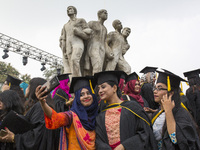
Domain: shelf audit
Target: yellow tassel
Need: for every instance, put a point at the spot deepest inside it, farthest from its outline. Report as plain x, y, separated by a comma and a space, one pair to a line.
9, 84
181, 87
187, 83
91, 87
156, 76
138, 78
168, 84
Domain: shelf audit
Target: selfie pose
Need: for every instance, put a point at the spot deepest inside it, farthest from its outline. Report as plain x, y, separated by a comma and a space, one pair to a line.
78, 124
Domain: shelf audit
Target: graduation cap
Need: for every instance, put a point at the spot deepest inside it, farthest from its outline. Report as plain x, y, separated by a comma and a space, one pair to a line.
192, 74
106, 76
148, 69
132, 76
63, 76
80, 82
169, 79
123, 76
12, 80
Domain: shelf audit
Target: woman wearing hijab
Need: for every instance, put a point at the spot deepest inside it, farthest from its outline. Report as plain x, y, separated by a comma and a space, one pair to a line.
132, 90
148, 80
173, 127
122, 124
78, 124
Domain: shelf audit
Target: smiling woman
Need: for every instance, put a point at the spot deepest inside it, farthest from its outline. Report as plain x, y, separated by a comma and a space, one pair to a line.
78, 123
122, 124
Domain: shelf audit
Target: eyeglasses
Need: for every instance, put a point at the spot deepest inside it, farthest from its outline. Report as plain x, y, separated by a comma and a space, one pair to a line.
158, 89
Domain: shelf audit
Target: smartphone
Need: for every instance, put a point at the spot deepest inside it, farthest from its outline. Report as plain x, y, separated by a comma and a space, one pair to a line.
51, 84
3, 132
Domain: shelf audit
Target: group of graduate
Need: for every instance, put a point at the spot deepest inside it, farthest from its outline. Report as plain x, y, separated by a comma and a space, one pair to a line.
110, 110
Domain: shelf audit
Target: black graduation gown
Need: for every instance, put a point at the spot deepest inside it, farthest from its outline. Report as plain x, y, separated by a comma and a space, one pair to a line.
186, 134
194, 99
124, 97
147, 93
134, 132
39, 138
186, 103
59, 99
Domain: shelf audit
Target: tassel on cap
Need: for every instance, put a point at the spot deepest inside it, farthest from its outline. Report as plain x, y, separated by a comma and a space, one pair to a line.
181, 87
156, 76
9, 84
187, 83
168, 84
91, 87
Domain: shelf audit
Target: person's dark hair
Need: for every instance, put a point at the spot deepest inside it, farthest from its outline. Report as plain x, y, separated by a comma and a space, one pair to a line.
32, 99
176, 97
194, 81
119, 93
19, 91
11, 101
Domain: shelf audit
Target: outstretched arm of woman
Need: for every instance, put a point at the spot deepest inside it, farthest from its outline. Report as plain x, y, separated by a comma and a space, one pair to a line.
40, 94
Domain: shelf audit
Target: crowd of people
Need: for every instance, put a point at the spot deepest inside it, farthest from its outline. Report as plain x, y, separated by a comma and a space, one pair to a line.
110, 110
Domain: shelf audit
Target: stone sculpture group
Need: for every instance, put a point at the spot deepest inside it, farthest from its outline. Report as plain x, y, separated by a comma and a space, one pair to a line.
88, 49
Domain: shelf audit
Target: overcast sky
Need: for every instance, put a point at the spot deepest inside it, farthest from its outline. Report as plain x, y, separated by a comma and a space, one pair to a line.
165, 33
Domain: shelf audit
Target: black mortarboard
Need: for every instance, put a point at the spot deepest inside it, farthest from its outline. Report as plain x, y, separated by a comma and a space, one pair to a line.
192, 74
80, 82
63, 76
12, 80
170, 79
148, 69
132, 76
123, 75
105, 76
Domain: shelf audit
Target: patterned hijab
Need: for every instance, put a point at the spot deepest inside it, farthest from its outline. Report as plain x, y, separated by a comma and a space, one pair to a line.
87, 114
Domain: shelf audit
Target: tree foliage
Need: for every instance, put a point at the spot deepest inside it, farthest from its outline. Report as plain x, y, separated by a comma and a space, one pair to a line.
7, 69
26, 78
50, 72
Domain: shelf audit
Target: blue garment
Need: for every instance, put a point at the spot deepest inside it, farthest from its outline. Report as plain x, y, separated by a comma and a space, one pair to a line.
23, 85
87, 115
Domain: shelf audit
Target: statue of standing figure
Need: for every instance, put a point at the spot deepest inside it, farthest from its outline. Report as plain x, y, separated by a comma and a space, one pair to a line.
116, 43
94, 58
73, 34
122, 63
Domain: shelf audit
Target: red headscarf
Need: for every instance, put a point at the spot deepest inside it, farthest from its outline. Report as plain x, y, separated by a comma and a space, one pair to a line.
130, 90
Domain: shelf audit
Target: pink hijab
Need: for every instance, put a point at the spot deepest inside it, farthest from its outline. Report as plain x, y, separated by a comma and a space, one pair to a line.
130, 90
63, 85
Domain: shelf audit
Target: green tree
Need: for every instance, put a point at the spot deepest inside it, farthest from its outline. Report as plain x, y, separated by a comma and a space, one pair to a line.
7, 69
26, 78
50, 72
